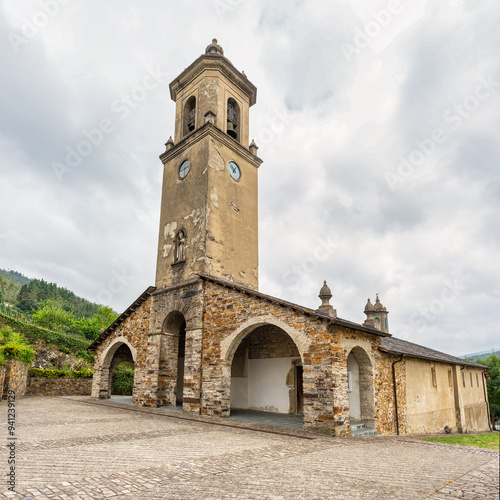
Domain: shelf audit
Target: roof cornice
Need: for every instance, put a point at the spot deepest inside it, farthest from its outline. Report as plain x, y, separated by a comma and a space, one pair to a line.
204, 131
213, 62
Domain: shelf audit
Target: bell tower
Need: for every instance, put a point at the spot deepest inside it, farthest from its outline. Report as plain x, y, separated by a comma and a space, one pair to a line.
209, 205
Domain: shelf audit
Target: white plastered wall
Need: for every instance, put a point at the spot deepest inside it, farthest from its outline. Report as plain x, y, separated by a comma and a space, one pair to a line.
264, 388
354, 395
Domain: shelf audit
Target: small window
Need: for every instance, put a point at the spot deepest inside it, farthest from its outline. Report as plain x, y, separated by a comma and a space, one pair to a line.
450, 379
463, 377
477, 379
349, 381
433, 373
470, 373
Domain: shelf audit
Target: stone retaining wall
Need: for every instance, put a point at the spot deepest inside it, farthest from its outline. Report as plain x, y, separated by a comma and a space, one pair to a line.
16, 374
45, 386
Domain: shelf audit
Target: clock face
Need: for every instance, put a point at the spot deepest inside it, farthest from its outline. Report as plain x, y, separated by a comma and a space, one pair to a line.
184, 169
234, 170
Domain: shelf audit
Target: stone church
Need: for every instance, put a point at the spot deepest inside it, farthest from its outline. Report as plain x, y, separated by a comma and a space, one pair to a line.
204, 337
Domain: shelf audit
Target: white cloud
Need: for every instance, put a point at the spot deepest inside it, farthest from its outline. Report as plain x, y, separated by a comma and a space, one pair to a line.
329, 130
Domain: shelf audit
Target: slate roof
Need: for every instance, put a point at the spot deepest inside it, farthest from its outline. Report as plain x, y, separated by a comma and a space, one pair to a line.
394, 345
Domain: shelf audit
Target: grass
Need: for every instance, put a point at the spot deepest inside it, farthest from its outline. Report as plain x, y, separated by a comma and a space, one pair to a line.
490, 441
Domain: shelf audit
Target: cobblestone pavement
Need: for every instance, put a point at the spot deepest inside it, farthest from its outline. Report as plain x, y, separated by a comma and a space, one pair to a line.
76, 448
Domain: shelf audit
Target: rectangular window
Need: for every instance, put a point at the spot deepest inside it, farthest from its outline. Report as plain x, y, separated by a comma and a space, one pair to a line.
463, 377
434, 381
471, 384
477, 379
349, 381
450, 380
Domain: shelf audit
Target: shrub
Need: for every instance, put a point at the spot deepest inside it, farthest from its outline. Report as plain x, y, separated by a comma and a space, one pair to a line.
53, 373
33, 333
15, 347
122, 381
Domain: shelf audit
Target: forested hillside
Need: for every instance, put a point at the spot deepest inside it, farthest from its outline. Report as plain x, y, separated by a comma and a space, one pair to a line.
51, 306
36, 291
8, 290
14, 276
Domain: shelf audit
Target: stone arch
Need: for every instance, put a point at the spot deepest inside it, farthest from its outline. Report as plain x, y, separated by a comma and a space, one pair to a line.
108, 353
174, 305
171, 359
232, 341
362, 393
262, 361
106, 365
233, 119
189, 117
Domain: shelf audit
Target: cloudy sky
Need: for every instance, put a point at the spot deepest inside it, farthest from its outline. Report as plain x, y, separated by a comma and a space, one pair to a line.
378, 123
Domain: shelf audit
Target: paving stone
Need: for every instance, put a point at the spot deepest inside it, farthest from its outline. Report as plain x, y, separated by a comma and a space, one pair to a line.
152, 455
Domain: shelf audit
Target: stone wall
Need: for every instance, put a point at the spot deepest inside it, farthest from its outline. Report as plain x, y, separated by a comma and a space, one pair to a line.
230, 315
45, 386
384, 390
2, 379
163, 346
16, 375
270, 342
134, 333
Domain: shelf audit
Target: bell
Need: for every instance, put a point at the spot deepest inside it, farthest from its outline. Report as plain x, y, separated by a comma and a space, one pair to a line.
230, 130
191, 126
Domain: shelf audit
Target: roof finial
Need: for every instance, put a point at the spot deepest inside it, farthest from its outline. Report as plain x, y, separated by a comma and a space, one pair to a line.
325, 294
214, 49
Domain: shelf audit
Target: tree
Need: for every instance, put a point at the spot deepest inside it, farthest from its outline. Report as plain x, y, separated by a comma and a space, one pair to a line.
53, 317
91, 327
493, 383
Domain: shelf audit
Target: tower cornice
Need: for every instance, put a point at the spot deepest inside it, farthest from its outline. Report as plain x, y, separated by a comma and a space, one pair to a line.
213, 62
202, 132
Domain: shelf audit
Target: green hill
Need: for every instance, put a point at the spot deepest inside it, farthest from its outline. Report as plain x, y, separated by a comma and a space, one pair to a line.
36, 291
26, 294
14, 276
8, 290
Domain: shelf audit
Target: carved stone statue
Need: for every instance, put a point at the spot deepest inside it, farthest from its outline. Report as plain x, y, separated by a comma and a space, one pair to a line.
181, 242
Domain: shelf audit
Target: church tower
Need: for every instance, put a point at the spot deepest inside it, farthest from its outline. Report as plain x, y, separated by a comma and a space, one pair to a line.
209, 206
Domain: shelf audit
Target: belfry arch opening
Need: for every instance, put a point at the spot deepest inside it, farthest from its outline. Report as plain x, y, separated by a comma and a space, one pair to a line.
171, 365
233, 119
360, 387
266, 372
189, 118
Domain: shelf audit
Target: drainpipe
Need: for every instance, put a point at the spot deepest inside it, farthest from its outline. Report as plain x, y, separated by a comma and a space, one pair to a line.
395, 390
486, 399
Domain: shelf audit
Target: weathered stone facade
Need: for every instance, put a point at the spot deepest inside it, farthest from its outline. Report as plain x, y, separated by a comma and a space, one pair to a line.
207, 339
45, 386
133, 332
221, 323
